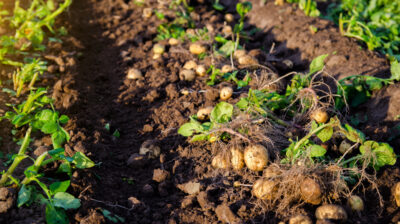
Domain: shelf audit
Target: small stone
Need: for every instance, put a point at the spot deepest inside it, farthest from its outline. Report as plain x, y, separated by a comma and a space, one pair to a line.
150, 148
134, 74
225, 214
160, 175
190, 187
136, 160
148, 189
205, 204
134, 202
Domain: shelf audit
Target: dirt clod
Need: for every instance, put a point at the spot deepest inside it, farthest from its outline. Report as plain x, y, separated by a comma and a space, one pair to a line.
160, 175
225, 214
7, 199
190, 187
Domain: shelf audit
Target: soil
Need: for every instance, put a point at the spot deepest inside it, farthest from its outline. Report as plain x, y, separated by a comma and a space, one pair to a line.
106, 38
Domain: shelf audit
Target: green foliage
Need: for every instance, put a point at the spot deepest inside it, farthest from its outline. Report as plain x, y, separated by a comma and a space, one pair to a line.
112, 217
308, 6
382, 153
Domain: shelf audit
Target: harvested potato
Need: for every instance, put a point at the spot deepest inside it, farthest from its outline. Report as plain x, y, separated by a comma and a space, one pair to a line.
197, 48
173, 41
344, 146
187, 75
330, 211
147, 12
227, 30
300, 219
397, 194
237, 159
190, 65
229, 17
201, 70
311, 191
271, 172
204, 113
219, 162
226, 93
150, 148
134, 74
319, 115
158, 49
256, 157
239, 53
247, 60
156, 56
356, 203
264, 189
226, 69
185, 92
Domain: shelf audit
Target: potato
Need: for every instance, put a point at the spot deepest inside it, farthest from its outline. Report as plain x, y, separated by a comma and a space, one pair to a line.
229, 17
134, 73
264, 189
226, 69
397, 194
150, 148
173, 41
201, 70
226, 93
147, 12
344, 146
271, 172
190, 65
197, 48
356, 203
190, 32
156, 56
227, 30
219, 162
279, 2
256, 157
311, 191
300, 219
158, 49
187, 75
330, 211
239, 53
319, 115
247, 60
204, 113
185, 92
237, 159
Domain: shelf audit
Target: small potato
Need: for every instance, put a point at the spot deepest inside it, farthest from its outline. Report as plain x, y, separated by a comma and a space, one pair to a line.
279, 2
158, 49
190, 65
226, 93
330, 211
134, 74
319, 115
226, 69
185, 92
201, 70
197, 48
344, 146
396, 193
204, 113
173, 41
156, 56
271, 172
300, 219
256, 157
247, 60
239, 53
147, 12
237, 159
219, 162
191, 32
227, 30
356, 203
311, 191
229, 17
264, 189
187, 75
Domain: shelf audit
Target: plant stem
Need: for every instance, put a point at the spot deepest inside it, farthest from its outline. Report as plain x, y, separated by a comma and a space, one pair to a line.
20, 156
305, 138
33, 80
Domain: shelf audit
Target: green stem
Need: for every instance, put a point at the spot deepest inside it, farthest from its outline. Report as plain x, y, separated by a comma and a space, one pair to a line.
351, 160
305, 138
36, 166
20, 156
33, 80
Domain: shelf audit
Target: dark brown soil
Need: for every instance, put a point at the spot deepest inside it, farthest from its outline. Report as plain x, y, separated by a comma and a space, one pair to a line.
109, 37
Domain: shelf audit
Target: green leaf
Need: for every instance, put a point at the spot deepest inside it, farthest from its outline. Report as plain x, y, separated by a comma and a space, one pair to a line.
353, 134
59, 186
116, 133
58, 139
24, 195
395, 70
112, 217
64, 119
383, 153
316, 150
55, 215
243, 103
243, 8
188, 129
317, 64
66, 201
81, 161
228, 48
325, 134
221, 113
199, 137
49, 127
65, 168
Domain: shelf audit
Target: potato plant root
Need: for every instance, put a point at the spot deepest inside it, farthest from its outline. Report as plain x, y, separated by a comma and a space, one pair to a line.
107, 38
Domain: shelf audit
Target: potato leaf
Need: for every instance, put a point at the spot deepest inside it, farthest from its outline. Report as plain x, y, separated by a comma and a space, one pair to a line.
24, 195
383, 153
221, 113
317, 64
353, 134
188, 129
325, 134
395, 70
81, 161
316, 150
55, 215
66, 201
59, 186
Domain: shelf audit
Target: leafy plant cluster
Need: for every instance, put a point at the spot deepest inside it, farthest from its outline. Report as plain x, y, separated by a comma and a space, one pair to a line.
26, 40
308, 6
